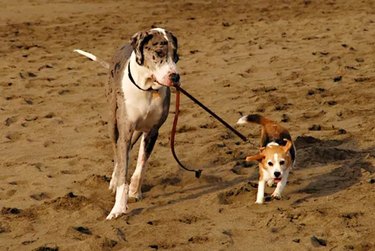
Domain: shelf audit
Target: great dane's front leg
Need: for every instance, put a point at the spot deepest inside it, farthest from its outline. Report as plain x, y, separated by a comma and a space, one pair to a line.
115, 175
121, 172
146, 147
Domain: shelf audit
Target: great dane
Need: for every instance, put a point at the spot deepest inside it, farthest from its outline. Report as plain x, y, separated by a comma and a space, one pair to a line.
140, 74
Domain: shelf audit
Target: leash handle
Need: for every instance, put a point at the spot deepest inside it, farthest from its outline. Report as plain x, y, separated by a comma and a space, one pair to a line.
173, 133
178, 88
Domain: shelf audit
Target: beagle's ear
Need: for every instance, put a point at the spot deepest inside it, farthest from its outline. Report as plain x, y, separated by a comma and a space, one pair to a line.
257, 157
138, 41
288, 145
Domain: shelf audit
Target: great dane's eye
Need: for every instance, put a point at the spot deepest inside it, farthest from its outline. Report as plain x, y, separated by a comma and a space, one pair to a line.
282, 162
160, 53
270, 163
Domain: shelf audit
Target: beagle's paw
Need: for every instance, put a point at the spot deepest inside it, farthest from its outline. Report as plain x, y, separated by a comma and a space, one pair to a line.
271, 183
259, 202
276, 196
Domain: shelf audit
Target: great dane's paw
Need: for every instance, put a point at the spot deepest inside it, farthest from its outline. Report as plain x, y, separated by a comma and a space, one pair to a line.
113, 184
121, 202
116, 212
276, 196
134, 197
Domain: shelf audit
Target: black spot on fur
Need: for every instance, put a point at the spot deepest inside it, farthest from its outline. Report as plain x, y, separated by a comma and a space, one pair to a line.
115, 127
254, 118
141, 46
117, 66
150, 142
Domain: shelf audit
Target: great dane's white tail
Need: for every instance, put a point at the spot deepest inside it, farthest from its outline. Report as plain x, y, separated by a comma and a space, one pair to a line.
93, 58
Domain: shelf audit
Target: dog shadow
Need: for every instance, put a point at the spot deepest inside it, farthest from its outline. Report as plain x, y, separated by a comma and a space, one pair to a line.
194, 193
311, 153
314, 153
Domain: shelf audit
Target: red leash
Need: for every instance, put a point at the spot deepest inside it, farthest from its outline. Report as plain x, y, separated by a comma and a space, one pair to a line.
173, 132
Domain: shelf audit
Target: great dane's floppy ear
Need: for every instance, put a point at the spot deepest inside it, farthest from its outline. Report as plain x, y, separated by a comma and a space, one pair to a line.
138, 41
288, 145
257, 157
175, 54
174, 44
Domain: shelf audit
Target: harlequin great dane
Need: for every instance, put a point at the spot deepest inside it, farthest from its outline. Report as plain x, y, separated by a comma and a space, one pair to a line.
140, 74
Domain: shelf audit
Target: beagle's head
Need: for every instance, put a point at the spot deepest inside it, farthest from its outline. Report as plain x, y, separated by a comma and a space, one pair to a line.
156, 50
274, 160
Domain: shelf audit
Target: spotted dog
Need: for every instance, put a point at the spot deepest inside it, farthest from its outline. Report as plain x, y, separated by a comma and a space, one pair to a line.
276, 157
140, 74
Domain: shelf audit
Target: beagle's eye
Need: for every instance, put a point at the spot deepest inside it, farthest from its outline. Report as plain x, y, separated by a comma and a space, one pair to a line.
270, 163
282, 162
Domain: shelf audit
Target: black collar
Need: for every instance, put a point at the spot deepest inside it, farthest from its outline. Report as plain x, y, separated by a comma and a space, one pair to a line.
132, 79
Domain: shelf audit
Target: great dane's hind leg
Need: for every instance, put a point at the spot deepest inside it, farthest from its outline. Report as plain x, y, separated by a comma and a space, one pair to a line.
122, 188
115, 173
146, 147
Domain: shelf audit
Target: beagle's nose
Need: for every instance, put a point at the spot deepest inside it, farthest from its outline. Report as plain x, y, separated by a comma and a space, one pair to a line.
175, 78
277, 174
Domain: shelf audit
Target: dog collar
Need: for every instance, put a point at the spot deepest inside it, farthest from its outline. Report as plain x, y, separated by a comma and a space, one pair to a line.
132, 80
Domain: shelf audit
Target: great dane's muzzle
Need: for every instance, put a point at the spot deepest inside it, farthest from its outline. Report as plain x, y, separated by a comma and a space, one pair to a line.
175, 78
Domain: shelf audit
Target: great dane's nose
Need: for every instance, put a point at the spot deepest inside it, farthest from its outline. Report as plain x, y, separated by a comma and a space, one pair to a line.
175, 78
277, 174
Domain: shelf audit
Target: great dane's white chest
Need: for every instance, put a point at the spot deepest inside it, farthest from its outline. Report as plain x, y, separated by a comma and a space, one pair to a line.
144, 108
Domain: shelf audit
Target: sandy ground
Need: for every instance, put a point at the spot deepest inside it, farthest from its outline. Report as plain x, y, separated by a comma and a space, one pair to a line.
308, 64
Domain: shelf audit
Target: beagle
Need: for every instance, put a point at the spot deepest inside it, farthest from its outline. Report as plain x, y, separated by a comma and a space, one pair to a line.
276, 156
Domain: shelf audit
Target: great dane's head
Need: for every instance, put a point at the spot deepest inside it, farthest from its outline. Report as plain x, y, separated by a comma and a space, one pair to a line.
156, 50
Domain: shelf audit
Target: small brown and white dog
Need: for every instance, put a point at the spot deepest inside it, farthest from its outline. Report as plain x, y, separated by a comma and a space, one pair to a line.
276, 157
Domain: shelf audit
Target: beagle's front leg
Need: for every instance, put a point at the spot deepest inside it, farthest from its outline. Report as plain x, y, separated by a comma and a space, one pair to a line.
280, 186
260, 195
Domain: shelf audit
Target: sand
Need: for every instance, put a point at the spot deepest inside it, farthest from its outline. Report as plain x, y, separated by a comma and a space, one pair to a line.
307, 64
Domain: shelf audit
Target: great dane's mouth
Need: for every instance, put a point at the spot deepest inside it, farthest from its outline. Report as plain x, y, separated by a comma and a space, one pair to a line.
168, 84
157, 82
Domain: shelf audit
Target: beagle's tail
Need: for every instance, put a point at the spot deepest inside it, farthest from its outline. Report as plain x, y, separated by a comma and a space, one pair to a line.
254, 118
102, 62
